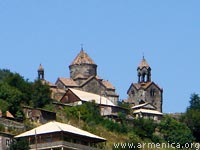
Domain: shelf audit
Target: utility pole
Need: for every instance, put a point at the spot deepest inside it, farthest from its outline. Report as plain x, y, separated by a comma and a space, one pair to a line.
35, 140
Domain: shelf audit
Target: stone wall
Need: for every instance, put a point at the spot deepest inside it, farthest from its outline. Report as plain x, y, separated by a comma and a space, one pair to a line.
11, 124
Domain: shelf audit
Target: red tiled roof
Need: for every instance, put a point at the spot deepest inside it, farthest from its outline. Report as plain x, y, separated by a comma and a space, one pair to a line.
82, 58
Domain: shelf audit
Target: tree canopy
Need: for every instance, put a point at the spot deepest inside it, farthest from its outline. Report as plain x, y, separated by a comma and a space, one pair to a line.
192, 116
16, 92
175, 131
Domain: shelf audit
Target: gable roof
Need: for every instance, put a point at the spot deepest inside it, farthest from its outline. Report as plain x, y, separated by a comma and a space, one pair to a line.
105, 83
89, 79
147, 111
108, 85
82, 58
88, 97
145, 106
79, 76
54, 126
67, 82
143, 85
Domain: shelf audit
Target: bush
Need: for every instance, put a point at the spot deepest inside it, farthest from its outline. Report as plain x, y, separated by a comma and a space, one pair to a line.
89, 112
174, 131
132, 143
19, 144
144, 128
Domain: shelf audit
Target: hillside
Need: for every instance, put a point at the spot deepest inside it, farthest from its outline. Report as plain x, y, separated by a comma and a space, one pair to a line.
16, 92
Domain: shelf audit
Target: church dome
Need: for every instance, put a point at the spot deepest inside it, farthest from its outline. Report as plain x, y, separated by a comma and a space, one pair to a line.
83, 58
82, 66
143, 64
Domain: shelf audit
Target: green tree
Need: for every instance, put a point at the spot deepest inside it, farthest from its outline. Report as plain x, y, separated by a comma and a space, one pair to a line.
192, 119
41, 94
192, 116
194, 102
3, 74
174, 131
20, 144
89, 112
4, 106
17, 81
14, 92
12, 96
144, 128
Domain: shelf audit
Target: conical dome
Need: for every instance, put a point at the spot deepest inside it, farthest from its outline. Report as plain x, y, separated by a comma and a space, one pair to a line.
143, 63
82, 66
82, 58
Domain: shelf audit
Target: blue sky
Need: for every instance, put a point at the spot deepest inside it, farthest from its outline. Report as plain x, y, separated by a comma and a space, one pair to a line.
115, 33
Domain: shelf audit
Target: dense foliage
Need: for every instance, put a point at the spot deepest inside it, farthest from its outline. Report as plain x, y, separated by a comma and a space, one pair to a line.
20, 144
174, 131
89, 113
192, 116
144, 128
169, 130
16, 92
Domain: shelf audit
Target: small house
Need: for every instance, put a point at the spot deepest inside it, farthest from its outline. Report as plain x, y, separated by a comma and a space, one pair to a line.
59, 136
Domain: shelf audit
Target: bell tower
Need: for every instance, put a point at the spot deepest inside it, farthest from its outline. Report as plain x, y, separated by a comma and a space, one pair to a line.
145, 90
144, 71
41, 73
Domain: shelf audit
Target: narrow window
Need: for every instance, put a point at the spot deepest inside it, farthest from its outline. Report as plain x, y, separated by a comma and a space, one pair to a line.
152, 92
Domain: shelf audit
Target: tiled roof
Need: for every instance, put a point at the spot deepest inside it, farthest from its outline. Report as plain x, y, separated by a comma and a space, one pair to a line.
143, 63
143, 85
82, 58
67, 81
99, 78
57, 90
107, 84
79, 76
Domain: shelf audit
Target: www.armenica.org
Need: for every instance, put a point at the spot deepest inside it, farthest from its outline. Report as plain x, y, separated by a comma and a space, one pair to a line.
156, 146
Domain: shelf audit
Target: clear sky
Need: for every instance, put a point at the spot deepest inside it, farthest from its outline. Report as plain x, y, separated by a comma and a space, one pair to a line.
115, 34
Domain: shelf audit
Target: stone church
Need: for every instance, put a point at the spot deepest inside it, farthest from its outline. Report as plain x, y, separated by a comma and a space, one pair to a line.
83, 76
145, 92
